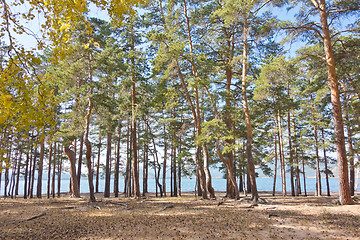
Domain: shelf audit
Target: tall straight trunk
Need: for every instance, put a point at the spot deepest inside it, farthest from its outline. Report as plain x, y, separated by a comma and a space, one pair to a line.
54, 172
25, 175
117, 165
164, 163
351, 153
174, 168
281, 152
18, 175
172, 173
59, 175
179, 169
326, 165
145, 163
276, 157
207, 172
297, 170
40, 170
31, 189
49, 171
135, 168
13, 176
318, 175
88, 143
249, 134
30, 170
98, 165
344, 188
81, 148
196, 111
107, 165
127, 185
291, 162
303, 168
73, 178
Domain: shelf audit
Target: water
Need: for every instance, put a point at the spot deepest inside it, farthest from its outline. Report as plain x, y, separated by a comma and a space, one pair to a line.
187, 184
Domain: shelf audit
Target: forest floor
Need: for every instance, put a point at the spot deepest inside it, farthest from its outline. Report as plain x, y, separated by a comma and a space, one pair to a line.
186, 217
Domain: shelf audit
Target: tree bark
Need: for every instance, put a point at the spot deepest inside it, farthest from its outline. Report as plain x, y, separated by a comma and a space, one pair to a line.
281, 152
276, 156
107, 165
73, 178
249, 134
40, 170
207, 172
164, 163
326, 166
98, 164
117, 165
49, 171
81, 149
135, 169
344, 188
54, 171
88, 157
291, 161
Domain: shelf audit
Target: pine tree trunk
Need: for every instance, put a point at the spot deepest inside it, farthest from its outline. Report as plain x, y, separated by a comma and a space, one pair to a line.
281, 152
291, 161
54, 172
49, 171
164, 163
207, 172
345, 194
297, 170
174, 168
59, 175
73, 178
31, 189
107, 165
303, 168
275, 168
40, 170
98, 165
351, 153
326, 166
318, 175
25, 175
30, 170
249, 134
179, 169
117, 166
18, 175
81, 149
145, 163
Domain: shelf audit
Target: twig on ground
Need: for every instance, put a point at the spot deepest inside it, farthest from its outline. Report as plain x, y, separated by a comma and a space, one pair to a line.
118, 203
28, 219
168, 206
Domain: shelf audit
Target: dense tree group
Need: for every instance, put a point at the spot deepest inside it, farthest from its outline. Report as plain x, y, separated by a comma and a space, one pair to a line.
189, 83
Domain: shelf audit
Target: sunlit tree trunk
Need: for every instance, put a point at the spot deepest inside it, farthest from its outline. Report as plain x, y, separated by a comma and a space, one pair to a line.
73, 178
344, 188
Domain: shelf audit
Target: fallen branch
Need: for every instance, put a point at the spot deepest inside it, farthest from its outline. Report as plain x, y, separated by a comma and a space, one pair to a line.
118, 203
168, 206
28, 219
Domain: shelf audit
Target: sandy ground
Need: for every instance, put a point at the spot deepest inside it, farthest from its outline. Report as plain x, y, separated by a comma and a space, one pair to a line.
184, 217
